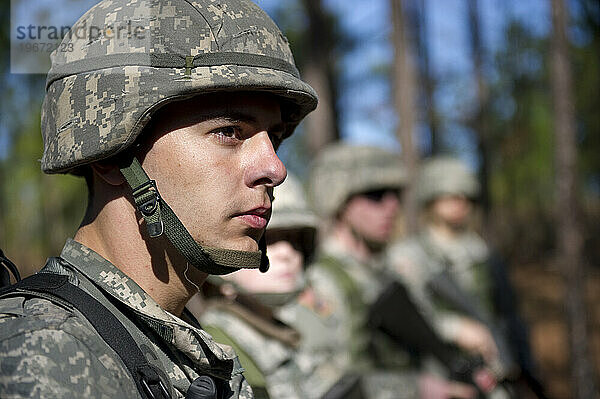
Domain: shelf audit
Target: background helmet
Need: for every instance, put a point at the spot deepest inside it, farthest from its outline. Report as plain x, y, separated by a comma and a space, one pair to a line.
128, 58
290, 208
341, 170
445, 175
291, 213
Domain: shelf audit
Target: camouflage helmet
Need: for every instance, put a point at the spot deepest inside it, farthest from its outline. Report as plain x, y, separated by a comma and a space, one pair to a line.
127, 58
445, 175
290, 208
341, 170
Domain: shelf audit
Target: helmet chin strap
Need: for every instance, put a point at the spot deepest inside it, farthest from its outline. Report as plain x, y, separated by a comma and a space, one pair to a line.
264, 259
160, 219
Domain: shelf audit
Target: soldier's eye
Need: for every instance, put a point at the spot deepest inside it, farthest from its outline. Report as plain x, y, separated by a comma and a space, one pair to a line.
228, 135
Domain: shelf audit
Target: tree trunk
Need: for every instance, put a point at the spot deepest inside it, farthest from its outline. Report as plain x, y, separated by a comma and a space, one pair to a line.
428, 82
321, 125
479, 122
404, 94
569, 234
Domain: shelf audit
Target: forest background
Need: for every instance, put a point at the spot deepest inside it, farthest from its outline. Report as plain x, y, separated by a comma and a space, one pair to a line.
498, 83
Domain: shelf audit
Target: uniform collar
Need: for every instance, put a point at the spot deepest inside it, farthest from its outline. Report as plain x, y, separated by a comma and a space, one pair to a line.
467, 246
193, 342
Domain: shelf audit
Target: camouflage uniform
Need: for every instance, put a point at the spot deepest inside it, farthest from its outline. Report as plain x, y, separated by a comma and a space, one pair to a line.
49, 350
345, 288
419, 259
269, 345
334, 327
415, 260
100, 96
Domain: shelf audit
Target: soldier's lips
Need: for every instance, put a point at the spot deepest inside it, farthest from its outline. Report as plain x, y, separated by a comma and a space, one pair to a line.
256, 218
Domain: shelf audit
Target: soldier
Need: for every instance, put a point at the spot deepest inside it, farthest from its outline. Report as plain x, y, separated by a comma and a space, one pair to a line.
356, 189
446, 265
243, 310
197, 98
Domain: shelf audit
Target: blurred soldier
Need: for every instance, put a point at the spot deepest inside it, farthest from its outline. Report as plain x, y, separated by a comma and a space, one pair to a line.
356, 189
446, 266
240, 309
198, 97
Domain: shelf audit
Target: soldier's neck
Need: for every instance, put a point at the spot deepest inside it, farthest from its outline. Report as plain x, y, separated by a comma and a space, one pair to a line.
352, 242
445, 232
118, 236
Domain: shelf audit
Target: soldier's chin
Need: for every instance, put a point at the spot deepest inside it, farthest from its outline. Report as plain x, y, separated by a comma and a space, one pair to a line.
246, 243
376, 244
458, 224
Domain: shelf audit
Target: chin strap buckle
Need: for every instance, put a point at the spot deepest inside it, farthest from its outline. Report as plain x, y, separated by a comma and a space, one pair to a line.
264, 259
147, 199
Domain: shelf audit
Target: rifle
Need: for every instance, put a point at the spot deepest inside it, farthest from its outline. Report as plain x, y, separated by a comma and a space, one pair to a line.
395, 314
446, 288
347, 387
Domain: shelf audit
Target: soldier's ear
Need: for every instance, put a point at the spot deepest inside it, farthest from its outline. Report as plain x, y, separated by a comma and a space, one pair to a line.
109, 173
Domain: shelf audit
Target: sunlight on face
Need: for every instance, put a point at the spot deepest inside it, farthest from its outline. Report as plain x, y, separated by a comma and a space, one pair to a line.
372, 219
213, 158
452, 209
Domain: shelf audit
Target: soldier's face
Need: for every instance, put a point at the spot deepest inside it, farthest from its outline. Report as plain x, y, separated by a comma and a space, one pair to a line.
453, 210
213, 158
372, 218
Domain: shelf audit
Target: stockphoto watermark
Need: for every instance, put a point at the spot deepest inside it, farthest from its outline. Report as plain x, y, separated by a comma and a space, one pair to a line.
35, 36
91, 33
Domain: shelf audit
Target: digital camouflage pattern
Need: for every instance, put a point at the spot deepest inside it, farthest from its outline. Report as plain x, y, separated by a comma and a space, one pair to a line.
103, 91
341, 170
342, 287
270, 345
48, 349
444, 175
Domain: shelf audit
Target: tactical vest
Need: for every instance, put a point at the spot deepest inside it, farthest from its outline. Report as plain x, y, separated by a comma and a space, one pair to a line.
56, 287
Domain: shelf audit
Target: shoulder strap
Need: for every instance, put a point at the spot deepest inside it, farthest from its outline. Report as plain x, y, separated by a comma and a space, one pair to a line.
106, 324
252, 373
7, 266
337, 271
361, 338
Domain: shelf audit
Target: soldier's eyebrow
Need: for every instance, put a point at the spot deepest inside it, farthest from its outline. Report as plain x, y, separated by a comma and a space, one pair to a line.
241, 117
231, 117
